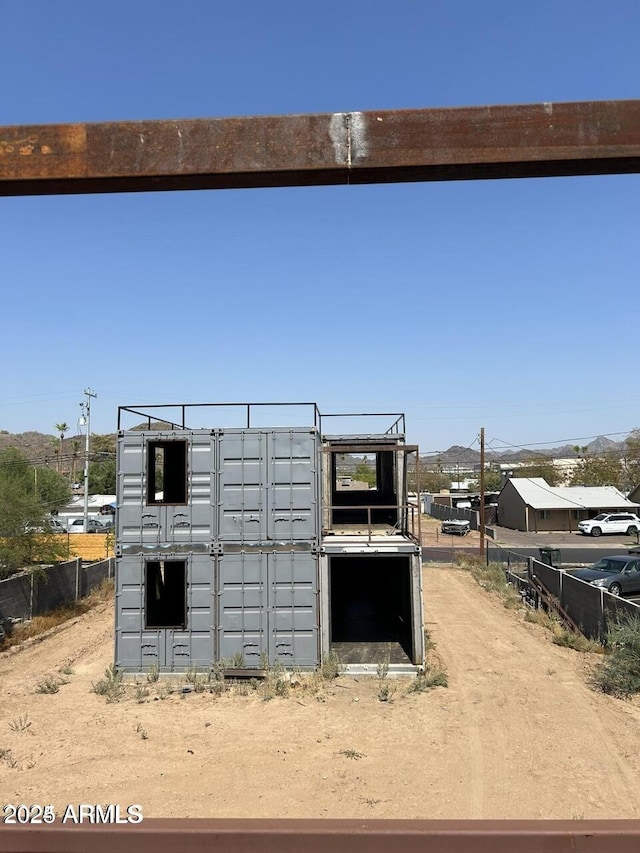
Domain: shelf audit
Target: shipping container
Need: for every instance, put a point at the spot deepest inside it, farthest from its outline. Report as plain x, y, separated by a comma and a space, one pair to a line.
268, 609
243, 547
165, 612
166, 490
269, 485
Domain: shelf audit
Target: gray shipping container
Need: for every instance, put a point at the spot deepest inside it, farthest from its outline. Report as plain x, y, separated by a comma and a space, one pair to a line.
268, 608
268, 485
145, 520
221, 558
181, 610
235, 486
165, 611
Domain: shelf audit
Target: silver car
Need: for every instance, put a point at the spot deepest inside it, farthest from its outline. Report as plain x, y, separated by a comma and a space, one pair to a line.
615, 574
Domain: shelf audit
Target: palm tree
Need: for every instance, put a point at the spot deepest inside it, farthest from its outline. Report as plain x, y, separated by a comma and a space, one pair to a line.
62, 428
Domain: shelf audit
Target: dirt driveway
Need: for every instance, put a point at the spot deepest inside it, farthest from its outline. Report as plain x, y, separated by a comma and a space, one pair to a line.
517, 734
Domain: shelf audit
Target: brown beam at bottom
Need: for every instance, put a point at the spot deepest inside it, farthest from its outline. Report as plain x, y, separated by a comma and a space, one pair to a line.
328, 836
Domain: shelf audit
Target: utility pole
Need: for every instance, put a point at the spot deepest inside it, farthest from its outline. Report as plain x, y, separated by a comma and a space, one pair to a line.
482, 548
86, 420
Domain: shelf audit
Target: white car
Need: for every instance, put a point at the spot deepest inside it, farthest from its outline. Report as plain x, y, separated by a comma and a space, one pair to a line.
610, 522
93, 526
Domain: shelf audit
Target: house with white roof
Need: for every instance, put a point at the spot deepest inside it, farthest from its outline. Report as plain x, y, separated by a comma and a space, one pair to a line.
531, 504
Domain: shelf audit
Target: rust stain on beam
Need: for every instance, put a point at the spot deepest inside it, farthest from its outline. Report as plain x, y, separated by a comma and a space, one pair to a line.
537, 140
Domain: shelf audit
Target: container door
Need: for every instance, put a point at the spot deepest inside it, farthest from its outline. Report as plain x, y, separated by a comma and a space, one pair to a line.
293, 476
195, 521
136, 524
242, 608
293, 609
242, 492
136, 646
193, 646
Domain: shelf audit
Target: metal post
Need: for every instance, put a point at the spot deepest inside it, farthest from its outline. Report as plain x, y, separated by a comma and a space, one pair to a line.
86, 410
482, 492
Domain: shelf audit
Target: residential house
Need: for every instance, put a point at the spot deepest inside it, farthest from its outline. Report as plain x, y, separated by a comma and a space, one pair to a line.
531, 504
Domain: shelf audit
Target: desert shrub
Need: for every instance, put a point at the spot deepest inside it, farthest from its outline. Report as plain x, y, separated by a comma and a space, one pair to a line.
427, 680
154, 673
110, 686
48, 685
619, 673
574, 640
331, 666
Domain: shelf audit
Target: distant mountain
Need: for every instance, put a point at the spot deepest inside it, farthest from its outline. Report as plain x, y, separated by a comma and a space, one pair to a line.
601, 444
460, 455
464, 456
36, 446
40, 447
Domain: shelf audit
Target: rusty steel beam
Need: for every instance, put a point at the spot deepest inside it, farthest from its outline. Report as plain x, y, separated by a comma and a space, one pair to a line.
328, 836
521, 141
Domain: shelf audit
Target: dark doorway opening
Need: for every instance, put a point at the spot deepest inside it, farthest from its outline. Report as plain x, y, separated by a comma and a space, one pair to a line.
165, 586
370, 608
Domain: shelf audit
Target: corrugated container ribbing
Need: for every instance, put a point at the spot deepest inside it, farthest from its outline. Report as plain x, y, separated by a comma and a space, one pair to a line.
268, 608
166, 489
246, 608
268, 485
165, 611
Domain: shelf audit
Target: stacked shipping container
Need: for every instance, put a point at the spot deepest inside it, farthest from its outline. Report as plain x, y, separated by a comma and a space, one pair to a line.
217, 548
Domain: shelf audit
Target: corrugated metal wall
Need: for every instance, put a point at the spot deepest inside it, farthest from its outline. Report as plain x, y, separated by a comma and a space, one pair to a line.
139, 646
142, 524
244, 544
269, 608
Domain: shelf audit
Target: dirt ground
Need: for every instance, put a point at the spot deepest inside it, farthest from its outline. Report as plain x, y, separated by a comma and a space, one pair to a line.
516, 734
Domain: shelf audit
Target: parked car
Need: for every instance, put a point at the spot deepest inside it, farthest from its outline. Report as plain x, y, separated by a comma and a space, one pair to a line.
617, 575
93, 526
610, 522
50, 525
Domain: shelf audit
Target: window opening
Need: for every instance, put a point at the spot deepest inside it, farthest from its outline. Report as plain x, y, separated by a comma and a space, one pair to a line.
167, 472
361, 471
165, 594
363, 487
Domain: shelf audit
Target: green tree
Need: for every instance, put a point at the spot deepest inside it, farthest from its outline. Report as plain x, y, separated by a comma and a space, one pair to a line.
102, 477
539, 466
102, 465
365, 473
631, 460
492, 481
598, 471
75, 449
433, 481
27, 495
103, 446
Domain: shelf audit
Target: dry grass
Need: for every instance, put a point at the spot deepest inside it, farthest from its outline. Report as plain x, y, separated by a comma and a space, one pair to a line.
491, 577
41, 624
562, 636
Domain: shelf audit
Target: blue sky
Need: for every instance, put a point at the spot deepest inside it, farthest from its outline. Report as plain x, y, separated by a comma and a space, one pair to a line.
511, 304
